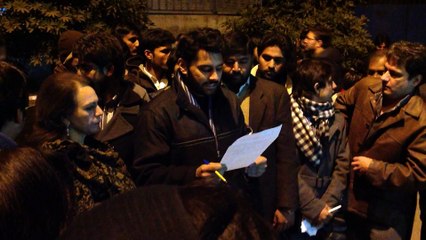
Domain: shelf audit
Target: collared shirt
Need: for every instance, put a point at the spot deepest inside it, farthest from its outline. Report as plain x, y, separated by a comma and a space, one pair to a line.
244, 90
108, 111
379, 110
159, 84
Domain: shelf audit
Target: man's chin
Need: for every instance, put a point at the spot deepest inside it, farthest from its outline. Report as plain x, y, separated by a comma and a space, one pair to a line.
210, 90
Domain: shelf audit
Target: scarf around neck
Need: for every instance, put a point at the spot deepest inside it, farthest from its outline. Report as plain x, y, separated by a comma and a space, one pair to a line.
310, 124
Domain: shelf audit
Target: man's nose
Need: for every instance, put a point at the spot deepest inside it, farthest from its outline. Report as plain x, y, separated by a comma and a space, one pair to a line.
214, 76
385, 77
236, 67
99, 111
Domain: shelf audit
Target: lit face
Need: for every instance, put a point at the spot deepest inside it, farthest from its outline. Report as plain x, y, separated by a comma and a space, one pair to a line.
86, 117
271, 63
396, 82
205, 72
159, 56
324, 94
310, 42
236, 69
132, 41
376, 67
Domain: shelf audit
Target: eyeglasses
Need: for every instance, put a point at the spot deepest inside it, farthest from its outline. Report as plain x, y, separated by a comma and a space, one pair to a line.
373, 72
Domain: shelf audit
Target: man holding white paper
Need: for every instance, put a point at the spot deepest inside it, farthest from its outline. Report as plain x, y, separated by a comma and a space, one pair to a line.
186, 130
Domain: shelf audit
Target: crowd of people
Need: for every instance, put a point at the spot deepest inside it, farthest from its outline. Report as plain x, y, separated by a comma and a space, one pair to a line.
125, 139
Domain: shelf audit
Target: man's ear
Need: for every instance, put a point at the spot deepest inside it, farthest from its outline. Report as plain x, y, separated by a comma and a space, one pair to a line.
319, 42
317, 88
183, 68
109, 70
148, 54
417, 80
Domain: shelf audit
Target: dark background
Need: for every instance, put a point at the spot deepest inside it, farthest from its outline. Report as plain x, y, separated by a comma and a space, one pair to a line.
400, 20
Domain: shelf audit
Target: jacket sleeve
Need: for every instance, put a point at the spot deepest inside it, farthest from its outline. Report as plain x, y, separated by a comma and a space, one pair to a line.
411, 173
345, 102
151, 164
310, 204
286, 158
334, 193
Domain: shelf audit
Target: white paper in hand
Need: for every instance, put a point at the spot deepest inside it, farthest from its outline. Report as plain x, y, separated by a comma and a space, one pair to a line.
246, 149
307, 227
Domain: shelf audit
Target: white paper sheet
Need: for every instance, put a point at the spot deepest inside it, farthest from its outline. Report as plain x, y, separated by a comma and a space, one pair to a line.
246, 149
306, 226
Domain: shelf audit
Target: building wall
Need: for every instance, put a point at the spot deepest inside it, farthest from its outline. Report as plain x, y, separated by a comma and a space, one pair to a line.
183, 23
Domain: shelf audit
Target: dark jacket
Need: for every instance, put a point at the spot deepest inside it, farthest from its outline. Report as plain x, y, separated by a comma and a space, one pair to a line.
326, 183
136, 75
174, 137
270, 107
396, 142
119, 130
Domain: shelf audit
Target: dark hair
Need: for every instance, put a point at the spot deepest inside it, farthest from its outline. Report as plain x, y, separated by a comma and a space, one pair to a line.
310, 72
220, 212
285, 44
321, 33
13, 92
33, 200
356, 72
382, 38
237, 43
197, 211
121, 30
56, 100
102, 49
411, 56
189, 44
154, 38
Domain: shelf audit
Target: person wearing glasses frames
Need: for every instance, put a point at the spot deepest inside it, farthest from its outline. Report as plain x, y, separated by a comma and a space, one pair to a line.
150, 71
387, 140
317, 43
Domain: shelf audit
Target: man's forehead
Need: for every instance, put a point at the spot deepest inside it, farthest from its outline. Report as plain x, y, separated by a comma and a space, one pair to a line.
203, 55
273, 51
238, 56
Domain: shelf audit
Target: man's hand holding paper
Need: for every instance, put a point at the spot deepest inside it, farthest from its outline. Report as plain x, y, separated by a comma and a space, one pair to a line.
246, 151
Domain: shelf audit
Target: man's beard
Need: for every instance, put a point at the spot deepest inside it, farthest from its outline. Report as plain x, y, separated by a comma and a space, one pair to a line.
234, 81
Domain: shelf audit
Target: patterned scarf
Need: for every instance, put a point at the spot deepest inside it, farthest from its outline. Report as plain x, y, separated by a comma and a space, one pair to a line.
310, 124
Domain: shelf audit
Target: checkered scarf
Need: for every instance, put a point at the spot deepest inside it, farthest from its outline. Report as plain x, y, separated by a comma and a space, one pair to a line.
310, 124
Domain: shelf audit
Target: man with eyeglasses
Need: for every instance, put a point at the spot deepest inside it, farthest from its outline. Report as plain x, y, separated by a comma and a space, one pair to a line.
387, 137
151, 70
317, 43
101, 60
